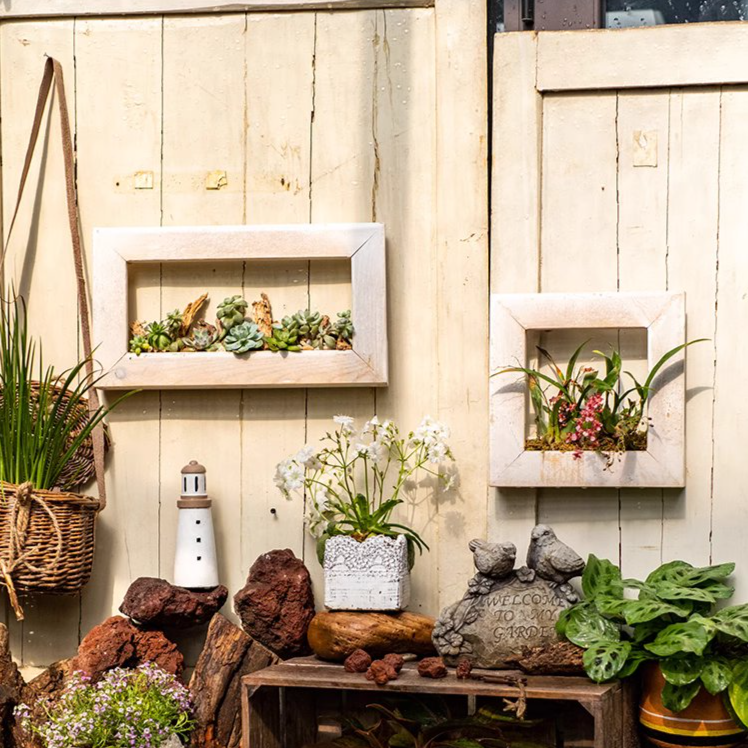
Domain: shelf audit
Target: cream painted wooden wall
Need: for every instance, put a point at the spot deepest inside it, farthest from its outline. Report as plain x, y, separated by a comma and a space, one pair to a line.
573, 210
343, 116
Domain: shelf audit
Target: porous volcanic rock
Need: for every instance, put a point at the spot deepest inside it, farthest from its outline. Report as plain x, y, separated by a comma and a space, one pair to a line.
118, 643
432, 667
154, 603
333, 636
276, 605
357, 662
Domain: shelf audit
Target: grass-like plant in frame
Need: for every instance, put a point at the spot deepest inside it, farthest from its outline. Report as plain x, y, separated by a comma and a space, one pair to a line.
583, 408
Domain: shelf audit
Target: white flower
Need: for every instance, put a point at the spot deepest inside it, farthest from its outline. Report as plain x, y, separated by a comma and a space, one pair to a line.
378, 451
308, 458
345, 423
437, 452
289, 476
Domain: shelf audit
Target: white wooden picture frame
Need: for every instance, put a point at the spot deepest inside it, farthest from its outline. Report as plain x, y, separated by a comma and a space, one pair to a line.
663, 462
363, 244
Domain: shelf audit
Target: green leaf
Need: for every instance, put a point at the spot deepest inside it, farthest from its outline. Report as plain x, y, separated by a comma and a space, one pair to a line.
601, 577
674, 571
738, 691
636, 657
716, 675
586, 627
733, 621
604, 660
677, 698
672, 591
672, 352
648, 630
690, 636
641, 611
611, 606
573, 360
680, 671
716, 573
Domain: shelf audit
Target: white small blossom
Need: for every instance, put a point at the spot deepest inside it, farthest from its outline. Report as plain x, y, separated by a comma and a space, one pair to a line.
308, 458
345, 423
437, 452
289, 476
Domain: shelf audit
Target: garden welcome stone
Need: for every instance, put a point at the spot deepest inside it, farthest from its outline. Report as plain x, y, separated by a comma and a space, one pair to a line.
505, 610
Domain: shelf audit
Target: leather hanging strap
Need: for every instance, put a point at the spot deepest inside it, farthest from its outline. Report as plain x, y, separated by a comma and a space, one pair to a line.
53, 73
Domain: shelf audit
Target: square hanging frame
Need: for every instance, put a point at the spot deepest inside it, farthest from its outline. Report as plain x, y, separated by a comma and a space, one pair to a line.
663, 317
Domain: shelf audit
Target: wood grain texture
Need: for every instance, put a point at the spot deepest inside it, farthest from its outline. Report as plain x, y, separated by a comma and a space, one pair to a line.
42, 9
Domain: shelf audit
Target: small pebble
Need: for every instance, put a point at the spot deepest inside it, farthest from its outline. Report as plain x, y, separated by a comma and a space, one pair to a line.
464, 668
432, 667
358, 661
395, 660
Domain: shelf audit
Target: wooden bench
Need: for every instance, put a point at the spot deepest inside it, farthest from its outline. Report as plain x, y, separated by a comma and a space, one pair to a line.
281, 704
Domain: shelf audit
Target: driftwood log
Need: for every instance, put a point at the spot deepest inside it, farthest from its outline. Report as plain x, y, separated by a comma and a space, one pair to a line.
228, 655
560, 658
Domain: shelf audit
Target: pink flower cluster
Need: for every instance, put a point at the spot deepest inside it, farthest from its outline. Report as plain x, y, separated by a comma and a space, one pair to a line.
588, 424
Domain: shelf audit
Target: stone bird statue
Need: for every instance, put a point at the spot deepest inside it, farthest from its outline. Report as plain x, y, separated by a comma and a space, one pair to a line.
493, 560
551, 559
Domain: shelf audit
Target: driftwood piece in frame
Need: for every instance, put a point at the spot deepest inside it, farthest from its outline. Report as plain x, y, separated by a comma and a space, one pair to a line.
361, 243
662, 465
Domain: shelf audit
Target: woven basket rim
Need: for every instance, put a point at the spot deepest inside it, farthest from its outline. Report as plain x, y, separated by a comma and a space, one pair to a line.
54, 496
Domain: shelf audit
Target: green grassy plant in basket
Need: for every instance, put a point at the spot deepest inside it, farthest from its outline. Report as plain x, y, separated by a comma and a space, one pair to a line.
44, 416
584, 408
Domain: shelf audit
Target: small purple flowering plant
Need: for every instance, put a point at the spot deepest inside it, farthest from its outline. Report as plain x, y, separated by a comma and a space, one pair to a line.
128, 708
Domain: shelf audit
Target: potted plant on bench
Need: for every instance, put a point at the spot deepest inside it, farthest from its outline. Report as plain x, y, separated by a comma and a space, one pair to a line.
694, 659
354, 484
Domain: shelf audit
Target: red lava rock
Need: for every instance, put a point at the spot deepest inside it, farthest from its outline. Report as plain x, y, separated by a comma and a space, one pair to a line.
276, 605
157, 604
358, 661
464, 668
117, 643
432, 667
395, 660
380, 672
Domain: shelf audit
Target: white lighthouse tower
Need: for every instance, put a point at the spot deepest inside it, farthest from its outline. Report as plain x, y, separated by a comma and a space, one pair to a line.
195, 564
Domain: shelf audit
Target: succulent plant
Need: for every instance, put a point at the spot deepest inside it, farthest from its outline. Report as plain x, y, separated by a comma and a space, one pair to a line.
283, 339
203, 337
158, 336
343, 326
244, 337
231, 311
139, 344
326, 339
173, 323
308, 324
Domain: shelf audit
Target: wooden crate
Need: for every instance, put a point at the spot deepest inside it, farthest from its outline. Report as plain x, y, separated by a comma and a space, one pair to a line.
280, 703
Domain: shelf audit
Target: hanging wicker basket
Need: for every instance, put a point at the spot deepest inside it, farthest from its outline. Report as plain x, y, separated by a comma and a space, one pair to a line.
47, 538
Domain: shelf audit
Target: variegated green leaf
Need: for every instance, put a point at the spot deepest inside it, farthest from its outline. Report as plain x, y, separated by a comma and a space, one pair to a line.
601, 577
690, 636
604, 660
714, 573
611, 606
738, 691
585, 627
636, 657
674, 571
672, 591
716, 675
641, 611
733, 621
677, 698
647, 631
680, 671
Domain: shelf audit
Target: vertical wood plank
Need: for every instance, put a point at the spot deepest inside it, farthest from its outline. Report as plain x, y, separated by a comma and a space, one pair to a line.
579, 253
515, 222
462, 260
729, 488
39, 263
127, 532
343, 184
405, 141
280, 80
194, 146
692, 267
642, 249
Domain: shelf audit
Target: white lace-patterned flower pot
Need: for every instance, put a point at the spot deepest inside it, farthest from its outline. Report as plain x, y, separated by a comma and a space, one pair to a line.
368, 575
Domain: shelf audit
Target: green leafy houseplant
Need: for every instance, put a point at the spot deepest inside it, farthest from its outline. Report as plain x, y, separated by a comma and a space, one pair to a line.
357, 479
44, 417
143, 707
671, 622
582, 409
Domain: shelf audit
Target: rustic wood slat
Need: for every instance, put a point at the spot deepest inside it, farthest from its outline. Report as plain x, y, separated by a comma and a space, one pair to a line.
312, 673
45, 9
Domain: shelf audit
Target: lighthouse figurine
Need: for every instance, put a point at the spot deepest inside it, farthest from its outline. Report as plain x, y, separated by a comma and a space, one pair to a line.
195, 565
